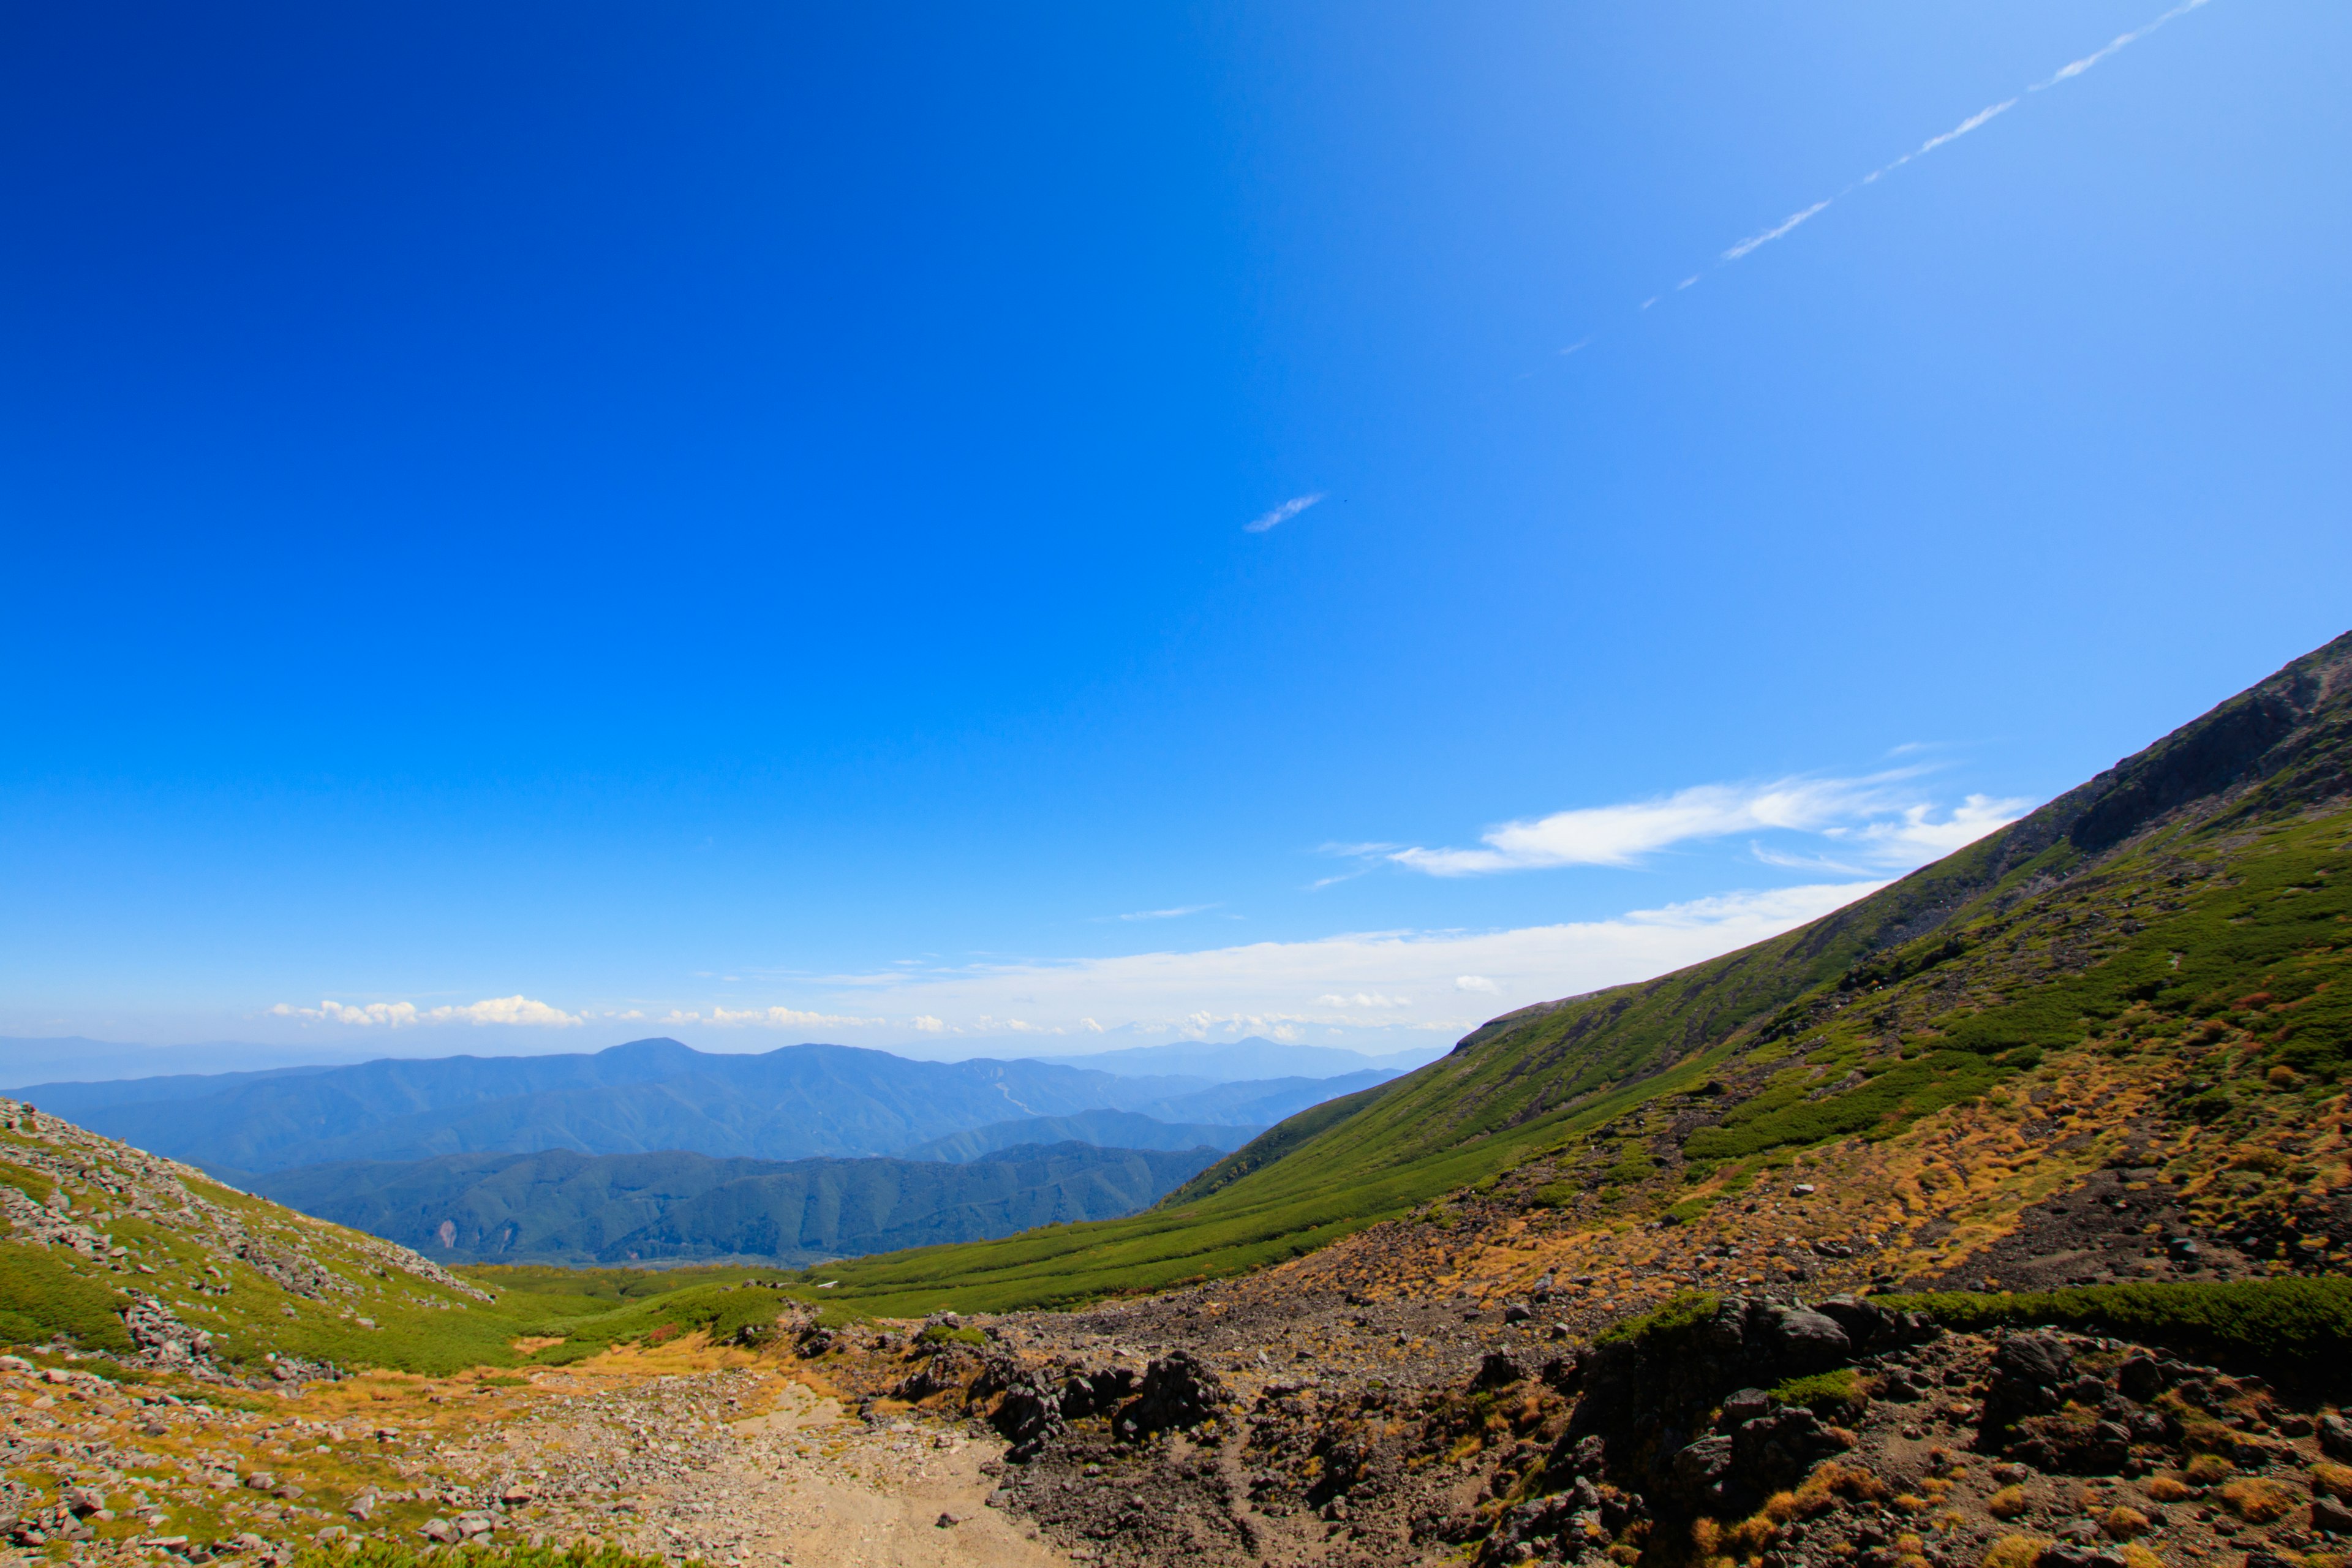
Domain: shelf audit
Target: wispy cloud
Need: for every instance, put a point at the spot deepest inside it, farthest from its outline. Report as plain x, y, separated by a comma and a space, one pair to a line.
1877, 817
1976, 121
519, 1010
1177, 913
1770, 235
1282, 513
2073, 69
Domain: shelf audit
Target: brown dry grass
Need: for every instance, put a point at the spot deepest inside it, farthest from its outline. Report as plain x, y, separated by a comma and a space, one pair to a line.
2208, 1469
2257, 1500
2015, 1551
2123, 1523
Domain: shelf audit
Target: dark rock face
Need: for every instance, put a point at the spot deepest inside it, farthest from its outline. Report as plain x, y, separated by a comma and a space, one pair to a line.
1029, 1416
2029, 1372
1177, 1393
1090, 1393
1650, 1396
1497, 1371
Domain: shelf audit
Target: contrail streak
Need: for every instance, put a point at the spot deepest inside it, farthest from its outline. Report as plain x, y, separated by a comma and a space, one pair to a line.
1982, 116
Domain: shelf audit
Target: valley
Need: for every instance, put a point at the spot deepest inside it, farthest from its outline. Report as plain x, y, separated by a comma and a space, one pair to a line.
2001, 1218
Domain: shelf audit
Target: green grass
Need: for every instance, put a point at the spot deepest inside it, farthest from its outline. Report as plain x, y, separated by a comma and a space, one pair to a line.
419, 1327
43, 1295
1825, 1394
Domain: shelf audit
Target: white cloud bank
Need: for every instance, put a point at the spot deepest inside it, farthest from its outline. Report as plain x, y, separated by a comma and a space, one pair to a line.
406, 1014
1870, 819
1433, 982
1400, 984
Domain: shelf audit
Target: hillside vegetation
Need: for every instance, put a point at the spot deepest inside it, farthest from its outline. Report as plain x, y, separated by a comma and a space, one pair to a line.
2189, 906
112, 1249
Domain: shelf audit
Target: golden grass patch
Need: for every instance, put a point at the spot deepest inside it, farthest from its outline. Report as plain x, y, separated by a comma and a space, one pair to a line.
2208, 1469
2123, 1523
2015, 1551
2008, 1503
2257, 1500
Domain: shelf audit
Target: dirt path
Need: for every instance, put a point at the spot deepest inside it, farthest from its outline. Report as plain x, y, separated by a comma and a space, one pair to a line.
809, 1485
739, 1465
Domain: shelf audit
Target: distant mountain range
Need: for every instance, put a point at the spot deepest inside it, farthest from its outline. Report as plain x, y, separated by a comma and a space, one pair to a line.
562, 1207
1108, 1128
796, 1102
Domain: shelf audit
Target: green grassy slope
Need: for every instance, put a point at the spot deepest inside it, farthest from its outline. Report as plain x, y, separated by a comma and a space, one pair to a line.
94, 1226
2130, 913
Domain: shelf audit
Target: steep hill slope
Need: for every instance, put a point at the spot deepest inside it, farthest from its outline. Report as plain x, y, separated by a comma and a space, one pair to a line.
2186, 906
562, 1207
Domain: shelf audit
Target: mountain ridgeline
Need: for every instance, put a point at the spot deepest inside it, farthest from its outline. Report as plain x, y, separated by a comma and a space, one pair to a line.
2197, 893
652, 1096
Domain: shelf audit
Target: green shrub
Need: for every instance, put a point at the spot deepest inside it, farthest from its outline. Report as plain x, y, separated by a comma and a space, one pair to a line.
940, 1334
1667, 1322
2295, 1328
1824, 1394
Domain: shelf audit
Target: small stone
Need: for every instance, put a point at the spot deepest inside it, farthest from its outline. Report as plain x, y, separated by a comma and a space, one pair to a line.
439, 1531
946, 1522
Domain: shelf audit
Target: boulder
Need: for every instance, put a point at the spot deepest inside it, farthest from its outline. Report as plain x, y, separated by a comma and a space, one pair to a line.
1177, 1393
1808, 1342
1497, 1371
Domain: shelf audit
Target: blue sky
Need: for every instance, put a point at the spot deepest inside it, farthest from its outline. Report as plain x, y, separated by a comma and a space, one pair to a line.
537, 525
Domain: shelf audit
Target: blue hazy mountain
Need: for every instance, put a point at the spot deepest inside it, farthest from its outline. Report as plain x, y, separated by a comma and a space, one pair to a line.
795, 1102
1107, 1129
565, 1207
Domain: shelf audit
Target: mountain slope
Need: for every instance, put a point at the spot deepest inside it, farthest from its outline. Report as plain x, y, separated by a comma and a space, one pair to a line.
561, 1206
2210, 861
